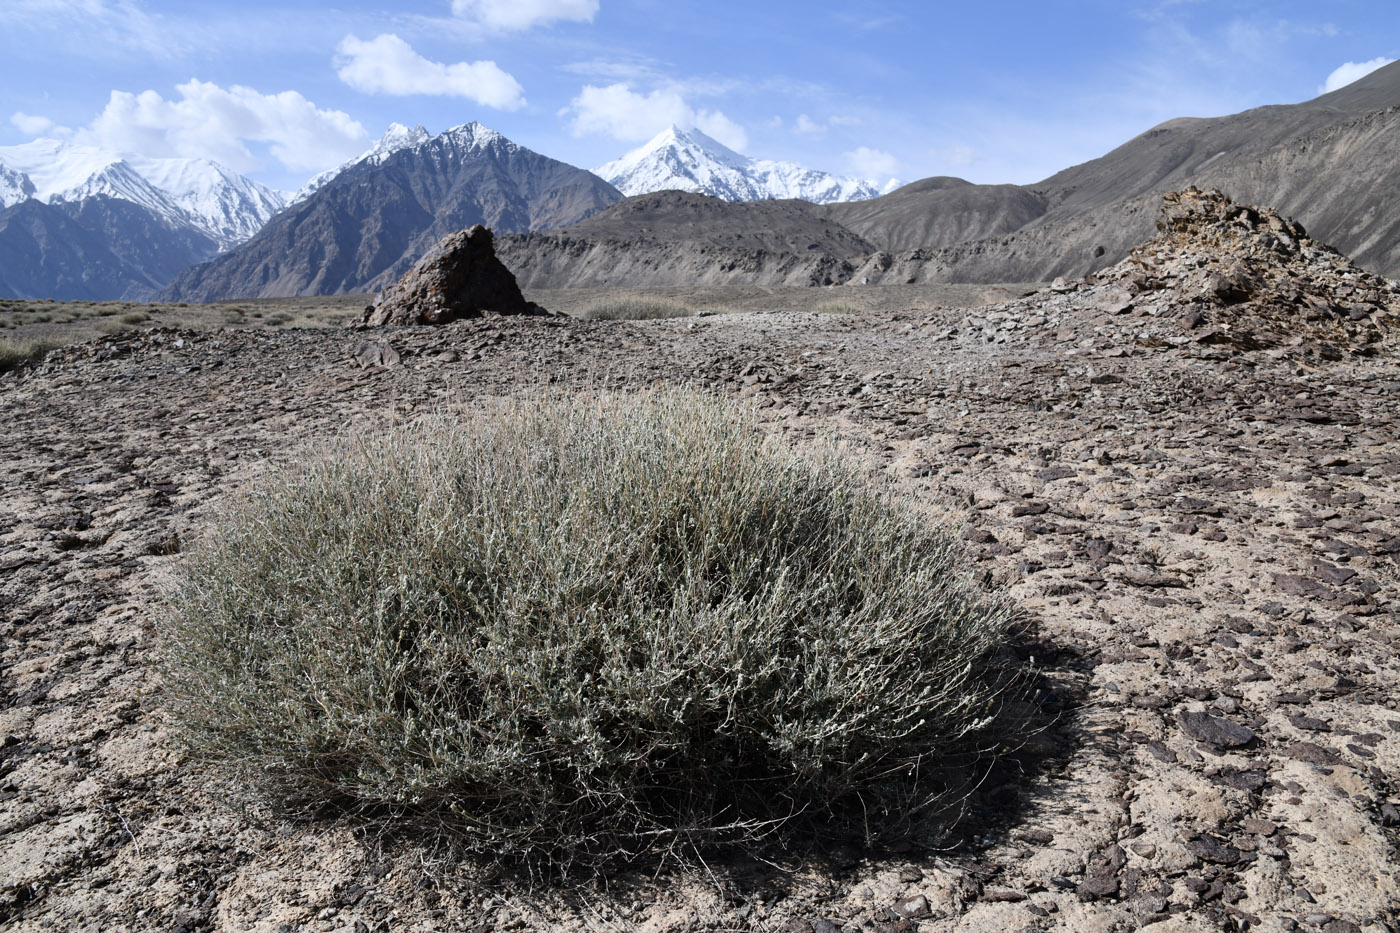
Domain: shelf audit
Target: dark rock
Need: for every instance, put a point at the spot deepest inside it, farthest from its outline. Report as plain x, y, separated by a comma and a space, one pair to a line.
1310, 723
1101, 884
1210, 849
1215, 731
1247, 780
458, 278
1337, 925
1313, 754
1295, 585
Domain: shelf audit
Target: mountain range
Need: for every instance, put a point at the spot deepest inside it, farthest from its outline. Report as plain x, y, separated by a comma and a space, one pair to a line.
77, 221
1331, 162
688, 160
366, 225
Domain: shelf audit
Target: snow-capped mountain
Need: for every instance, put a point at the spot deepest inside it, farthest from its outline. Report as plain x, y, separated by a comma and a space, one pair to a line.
193, 193
689, 160
395, 138
365, 226
14, 186
226, 205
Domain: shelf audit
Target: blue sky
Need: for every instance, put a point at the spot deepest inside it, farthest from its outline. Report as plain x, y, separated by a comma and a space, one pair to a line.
991, 91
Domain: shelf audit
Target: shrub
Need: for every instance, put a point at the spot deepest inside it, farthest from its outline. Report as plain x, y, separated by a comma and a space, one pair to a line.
134, 317
636, 309
581, 628
15, 353
839, 306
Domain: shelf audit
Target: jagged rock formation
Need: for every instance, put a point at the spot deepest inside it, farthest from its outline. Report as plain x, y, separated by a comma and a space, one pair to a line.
1251, 278
1219, 278
459, 278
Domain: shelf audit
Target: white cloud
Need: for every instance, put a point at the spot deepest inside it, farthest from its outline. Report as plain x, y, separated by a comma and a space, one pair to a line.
1351, 71
806, 126
30, 125
630, 116
871, 164
388, 65
523, 14
722, 129
212, 122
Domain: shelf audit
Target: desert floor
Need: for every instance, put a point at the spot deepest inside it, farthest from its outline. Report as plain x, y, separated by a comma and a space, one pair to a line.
1187, 530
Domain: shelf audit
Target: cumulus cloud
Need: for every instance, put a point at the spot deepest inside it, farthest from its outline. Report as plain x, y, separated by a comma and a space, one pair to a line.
871, 164
807, 126
30, 125
524, 14
631, 116
212, 122
387, 64
1351, 71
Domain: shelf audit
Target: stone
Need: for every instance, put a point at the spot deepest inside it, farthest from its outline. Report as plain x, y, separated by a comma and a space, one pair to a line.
1312, 753
914, 908
372, 353
1215, 731
458, 278
1211, 849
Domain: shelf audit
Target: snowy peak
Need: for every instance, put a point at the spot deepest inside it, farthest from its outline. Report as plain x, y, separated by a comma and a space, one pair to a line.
14, 186
473, 136
397, 137
119, 180
467, 137
184, 192
689, 160
228, 206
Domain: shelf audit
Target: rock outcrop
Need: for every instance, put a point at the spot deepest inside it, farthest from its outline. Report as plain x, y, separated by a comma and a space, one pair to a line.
1249, 278
458, 278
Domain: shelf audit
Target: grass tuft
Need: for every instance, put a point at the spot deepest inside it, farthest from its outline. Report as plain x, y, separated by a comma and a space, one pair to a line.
16, 353
578, 629
636, 309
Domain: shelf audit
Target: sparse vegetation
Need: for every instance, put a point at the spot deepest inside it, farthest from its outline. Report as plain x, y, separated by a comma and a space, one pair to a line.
580, 628
134, 317
636, 309
839, 306
15, 353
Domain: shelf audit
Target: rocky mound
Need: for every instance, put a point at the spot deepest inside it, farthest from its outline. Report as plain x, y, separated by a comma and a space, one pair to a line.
458, 278
1249, 278
1220, 279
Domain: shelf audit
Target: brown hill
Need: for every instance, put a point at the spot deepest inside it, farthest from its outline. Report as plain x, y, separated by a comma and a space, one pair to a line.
1330, 162
676, 238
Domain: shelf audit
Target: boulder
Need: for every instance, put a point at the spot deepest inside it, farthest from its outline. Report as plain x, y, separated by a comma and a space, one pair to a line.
458, 278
